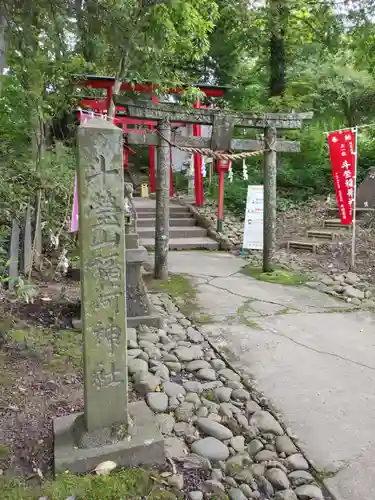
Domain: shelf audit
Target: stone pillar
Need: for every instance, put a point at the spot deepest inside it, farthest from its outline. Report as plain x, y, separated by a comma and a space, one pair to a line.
104, 431
139, 309
102, 247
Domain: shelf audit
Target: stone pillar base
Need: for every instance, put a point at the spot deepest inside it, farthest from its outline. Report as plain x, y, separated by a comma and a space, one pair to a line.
139, 309
80, 452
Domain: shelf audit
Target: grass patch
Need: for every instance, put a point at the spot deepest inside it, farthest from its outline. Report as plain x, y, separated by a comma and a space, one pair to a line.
129, 484
279, 275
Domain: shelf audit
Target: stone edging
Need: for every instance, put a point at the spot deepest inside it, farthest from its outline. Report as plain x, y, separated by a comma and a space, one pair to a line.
223, 241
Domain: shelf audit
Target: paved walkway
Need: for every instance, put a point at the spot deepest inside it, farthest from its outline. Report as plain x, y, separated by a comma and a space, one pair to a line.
315, 363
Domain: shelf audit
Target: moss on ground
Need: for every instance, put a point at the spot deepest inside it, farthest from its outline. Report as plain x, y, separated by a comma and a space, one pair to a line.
203, 319
178, 286
4, 451
250, 323
129, 484
242, 318
280, 275
341, 309
209, 395
286, 310
64, 346
184, 294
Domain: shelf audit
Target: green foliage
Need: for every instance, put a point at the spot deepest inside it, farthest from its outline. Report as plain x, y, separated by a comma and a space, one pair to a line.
328, 62
300, 176
130, 484
180, 182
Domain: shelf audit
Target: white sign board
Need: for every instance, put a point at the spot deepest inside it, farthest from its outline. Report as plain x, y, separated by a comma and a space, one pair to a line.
253, 230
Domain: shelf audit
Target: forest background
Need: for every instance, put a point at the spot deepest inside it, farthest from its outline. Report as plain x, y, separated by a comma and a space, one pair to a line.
276, 55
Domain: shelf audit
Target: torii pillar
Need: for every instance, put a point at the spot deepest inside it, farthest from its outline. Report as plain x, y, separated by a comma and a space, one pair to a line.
152, 162
198, 164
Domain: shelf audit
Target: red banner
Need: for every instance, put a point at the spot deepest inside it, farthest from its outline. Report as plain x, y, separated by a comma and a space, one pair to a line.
342, 152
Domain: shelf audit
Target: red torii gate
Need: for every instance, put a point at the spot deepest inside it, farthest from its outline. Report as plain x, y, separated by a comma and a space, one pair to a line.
101, 105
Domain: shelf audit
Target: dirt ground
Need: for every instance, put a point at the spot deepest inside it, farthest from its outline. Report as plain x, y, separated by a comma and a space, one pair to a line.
294, 223
40, 378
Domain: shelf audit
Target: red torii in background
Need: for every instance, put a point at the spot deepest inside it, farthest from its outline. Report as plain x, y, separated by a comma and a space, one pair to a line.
101, 105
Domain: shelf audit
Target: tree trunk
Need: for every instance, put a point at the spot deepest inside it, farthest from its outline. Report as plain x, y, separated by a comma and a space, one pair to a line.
116, 86
85, 41
278, 21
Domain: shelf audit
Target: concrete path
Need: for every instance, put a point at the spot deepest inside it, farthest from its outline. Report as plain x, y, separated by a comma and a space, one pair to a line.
315, 363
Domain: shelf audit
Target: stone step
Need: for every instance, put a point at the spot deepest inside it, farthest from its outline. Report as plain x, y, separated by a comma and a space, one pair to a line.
335, 223
308, 245
172, 214
174, 232
150, 208
203, 243
321, 234
173, 222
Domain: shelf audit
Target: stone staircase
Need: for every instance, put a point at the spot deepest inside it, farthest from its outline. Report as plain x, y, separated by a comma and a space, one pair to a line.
184, 233
326, 236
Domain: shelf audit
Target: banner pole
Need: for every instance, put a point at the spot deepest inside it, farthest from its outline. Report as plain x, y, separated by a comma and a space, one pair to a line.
354, 201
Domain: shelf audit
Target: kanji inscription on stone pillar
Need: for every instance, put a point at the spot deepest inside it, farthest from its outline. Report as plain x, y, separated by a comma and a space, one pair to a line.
102, 246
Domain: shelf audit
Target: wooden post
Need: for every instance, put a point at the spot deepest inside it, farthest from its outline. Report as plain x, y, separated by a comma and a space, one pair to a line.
152, 155
198, 163
354, 206
269, 229
37, 250
27, 243
162, 201
13, 253
171, 190
220, 202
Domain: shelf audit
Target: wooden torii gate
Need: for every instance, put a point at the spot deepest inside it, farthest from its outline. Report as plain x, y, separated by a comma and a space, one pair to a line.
220, 145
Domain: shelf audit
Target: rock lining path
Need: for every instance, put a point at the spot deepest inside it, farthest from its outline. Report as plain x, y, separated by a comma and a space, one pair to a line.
315, 363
